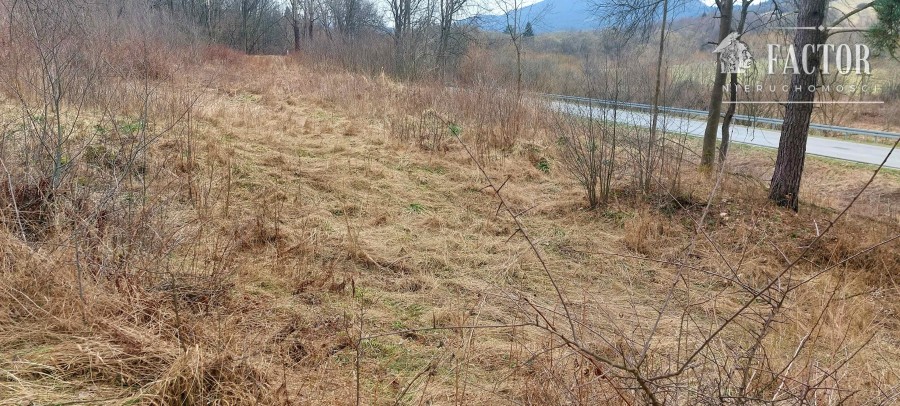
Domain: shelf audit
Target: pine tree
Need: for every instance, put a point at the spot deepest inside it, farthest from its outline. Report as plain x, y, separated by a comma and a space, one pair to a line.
886, 31
795, 130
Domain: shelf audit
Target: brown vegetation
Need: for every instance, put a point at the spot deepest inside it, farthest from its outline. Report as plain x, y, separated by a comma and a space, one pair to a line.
303, 227
186, 224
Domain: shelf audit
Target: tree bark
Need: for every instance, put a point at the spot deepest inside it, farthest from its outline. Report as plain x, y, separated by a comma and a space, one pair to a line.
729, 116
792, 146
726, 8
295, 23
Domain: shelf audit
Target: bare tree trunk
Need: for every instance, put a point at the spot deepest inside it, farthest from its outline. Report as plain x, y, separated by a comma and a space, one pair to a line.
518, 71
398, 53
295, 23
726, 8
729, 116
792, 147
443, 42
448, 11
310, 19
732, 91
648, 175
610, 168
401, 12
245, 17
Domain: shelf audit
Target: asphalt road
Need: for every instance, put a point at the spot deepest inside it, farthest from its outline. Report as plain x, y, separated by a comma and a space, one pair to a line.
826, 147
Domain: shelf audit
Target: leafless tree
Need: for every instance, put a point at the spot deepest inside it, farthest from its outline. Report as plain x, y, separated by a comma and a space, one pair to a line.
348, 17
449, 11
54, 71
309, 9
638, 18
732, 94
412, 21
517, 17
726, 10
296, 23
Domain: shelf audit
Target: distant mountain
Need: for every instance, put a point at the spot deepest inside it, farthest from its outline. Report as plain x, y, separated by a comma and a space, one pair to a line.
570, 15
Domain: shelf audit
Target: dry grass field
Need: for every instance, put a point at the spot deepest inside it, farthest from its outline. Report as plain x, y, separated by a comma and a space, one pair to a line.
319, 237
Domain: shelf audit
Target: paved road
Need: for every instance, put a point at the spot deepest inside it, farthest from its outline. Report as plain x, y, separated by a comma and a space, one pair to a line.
827, 147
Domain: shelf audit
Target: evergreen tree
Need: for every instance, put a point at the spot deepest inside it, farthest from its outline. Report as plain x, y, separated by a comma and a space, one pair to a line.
885, 33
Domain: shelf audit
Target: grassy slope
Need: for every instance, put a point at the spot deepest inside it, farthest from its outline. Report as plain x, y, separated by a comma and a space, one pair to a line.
334, 225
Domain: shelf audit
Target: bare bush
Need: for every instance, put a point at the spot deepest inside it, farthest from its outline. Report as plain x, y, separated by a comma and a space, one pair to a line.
587, 147
52, 71
425, 131
82, 162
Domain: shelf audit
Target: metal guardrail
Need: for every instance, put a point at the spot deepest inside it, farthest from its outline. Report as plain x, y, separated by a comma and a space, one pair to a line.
691, 112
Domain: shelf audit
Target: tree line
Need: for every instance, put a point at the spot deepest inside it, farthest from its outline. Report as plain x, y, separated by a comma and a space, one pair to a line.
424, 34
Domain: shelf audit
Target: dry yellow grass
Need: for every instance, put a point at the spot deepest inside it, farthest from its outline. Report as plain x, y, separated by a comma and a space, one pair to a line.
322, 227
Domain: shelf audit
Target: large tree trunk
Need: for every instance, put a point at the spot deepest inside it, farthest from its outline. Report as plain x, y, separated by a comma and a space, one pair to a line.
726, 8
792, 147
